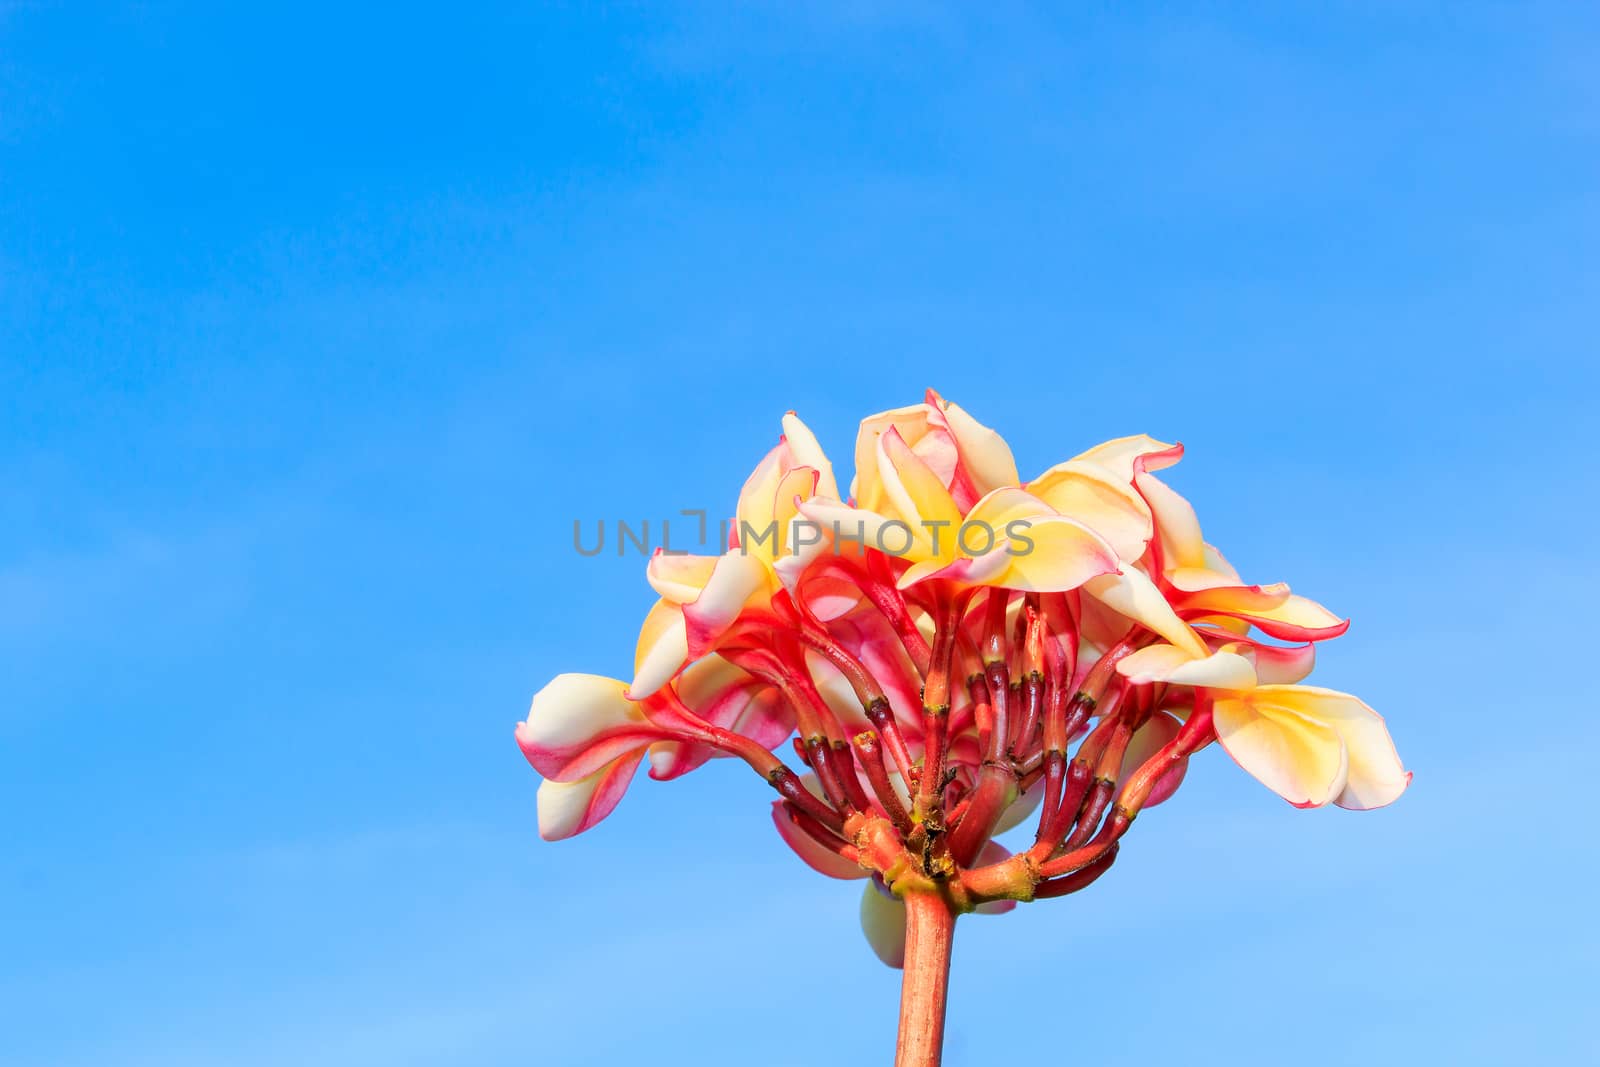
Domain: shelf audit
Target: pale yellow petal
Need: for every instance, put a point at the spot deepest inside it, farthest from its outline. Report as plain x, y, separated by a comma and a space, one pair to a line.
1131, 593
662, 649
1118, 454
1174, 666
1107, 505
808, 453
679, 578
984, 453
1376, 776
1302, 760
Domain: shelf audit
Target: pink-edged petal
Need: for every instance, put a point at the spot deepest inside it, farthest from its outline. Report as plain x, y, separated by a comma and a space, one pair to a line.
569, 808
767, 503
754, 710
760, 489
983, 453
829, 595
1275, 664
913, 490
806, 541
581, 722
1107, 505
1170, 664
1302, 760
815, 856
883, 920
868, 637
679, 579
984, 570
1233, 599
1177, 528
808, 453
842, 523
1119, 454
797, 485
1298, 619
1215, 572
1132, 594
673, 634
986, 530
1052, 554
920, 426
674, 759
725, 696
734, 579
1376, 776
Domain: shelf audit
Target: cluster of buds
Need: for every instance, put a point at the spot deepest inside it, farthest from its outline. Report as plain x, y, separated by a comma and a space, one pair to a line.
951, 651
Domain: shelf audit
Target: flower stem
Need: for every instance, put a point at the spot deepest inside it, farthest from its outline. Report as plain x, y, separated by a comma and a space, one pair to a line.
930, 927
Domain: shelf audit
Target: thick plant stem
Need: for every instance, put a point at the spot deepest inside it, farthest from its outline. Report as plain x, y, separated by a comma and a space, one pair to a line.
930, 927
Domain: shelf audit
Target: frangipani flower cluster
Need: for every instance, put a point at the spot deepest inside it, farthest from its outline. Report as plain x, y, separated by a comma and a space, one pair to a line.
950, 650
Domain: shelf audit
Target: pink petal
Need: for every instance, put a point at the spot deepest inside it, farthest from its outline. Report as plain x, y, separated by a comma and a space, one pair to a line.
578, 723
569, 808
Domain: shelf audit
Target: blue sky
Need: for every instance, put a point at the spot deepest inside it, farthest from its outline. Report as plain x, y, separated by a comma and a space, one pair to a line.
318, 330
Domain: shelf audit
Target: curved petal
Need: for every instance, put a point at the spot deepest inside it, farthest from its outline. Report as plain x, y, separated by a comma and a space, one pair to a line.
805, 542
983, 452
808, 453
1376, 776
1047, 554
1298, 619
844, 524
1177, 528
756, 496
983, 570
815, 856
1300, 759
1215, 572
725, 696
673, 634
1132, 594
662, 650
568, 808
883, 920
1233, 599
1274, 664
1119, 454
1170, 664
999, 508
920, 426
797, 485
1052, 554
1108, 506
578, 723
734, 579
912, 489
678, 579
